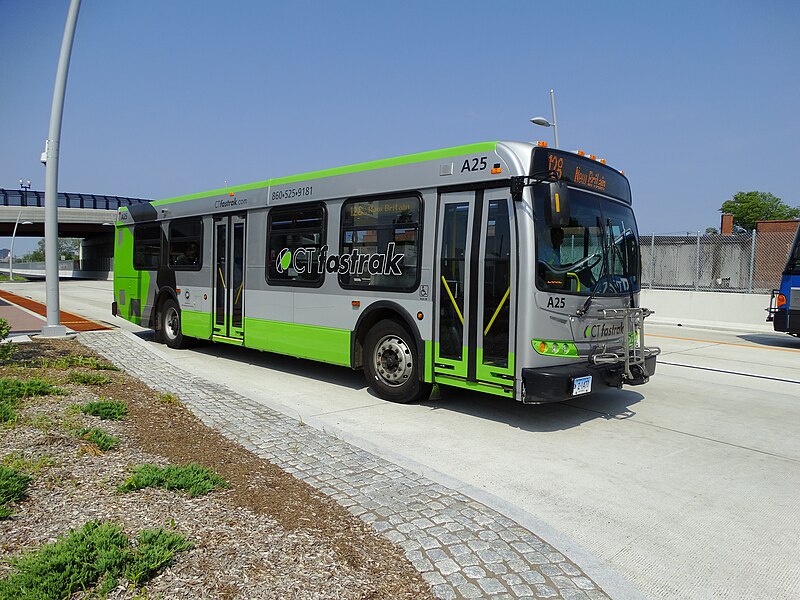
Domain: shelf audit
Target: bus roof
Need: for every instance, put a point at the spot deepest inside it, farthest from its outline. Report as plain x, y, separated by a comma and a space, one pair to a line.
355, 168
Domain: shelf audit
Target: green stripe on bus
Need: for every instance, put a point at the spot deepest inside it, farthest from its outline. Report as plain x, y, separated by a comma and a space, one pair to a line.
196, 324
397, 161
428, 377
477, 387
325, 344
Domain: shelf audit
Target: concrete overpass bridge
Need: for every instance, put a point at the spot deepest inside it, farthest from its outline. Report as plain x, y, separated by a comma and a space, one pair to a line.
89, 217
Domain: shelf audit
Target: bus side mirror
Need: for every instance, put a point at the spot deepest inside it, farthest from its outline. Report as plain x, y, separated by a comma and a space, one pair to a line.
557, 209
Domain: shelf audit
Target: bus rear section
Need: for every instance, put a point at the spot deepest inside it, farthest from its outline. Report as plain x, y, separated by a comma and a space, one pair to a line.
784, 305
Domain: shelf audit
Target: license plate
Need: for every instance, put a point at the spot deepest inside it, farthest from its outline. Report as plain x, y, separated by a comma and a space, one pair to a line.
581, 385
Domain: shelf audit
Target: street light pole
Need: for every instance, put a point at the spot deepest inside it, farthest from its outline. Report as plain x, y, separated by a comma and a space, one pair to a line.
11, 252
24, 186
555, 123
544, 122
50, 159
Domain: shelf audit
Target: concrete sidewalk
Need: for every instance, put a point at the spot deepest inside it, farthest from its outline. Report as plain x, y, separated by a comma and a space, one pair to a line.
23, 322
27, 316
462, 547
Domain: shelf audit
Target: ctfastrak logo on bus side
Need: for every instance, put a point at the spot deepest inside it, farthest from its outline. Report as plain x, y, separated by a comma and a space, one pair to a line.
302, 260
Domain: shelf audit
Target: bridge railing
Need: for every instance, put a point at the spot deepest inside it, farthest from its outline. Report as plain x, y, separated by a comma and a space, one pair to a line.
35, 198
89, 264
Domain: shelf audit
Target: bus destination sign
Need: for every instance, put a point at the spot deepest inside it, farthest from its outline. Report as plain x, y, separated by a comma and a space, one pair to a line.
582, 172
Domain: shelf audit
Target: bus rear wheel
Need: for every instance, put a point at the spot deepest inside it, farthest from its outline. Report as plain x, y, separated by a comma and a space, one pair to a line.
171, 325
391, 363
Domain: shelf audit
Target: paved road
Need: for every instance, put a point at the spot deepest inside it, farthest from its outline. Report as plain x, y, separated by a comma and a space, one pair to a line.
687, 486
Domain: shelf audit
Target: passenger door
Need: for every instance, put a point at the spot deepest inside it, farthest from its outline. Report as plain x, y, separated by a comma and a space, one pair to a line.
229, 261
476, 299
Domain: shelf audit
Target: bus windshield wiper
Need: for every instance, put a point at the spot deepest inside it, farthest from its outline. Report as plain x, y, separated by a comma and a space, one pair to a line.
604, 272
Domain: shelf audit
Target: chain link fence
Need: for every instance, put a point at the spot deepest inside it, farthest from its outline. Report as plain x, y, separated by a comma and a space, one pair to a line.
745, 262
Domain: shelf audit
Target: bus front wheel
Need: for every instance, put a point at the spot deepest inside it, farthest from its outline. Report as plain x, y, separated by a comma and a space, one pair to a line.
171, 325
391, 364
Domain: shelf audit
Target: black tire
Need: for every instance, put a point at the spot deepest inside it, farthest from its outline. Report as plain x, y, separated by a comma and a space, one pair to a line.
171, 331
391, 363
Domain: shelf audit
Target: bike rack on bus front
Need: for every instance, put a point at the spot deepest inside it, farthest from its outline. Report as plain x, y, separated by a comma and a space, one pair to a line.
634, 352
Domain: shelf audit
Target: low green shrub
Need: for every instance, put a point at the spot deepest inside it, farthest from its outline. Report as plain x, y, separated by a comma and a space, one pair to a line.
23, 388
99, 438
169, 398
12, 391
73, 360
7, 412
7, 349
82, 378
94, 556
155, 549
13, 486
32, 466
195, 479
105, 409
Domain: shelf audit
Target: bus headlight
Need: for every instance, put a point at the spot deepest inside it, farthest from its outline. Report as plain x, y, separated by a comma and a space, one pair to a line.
555, 348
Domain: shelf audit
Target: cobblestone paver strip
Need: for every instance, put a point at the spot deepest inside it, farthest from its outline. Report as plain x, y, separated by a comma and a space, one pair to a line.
462, 548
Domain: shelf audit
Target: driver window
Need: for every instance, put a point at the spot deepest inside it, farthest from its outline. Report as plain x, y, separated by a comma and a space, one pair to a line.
569, 258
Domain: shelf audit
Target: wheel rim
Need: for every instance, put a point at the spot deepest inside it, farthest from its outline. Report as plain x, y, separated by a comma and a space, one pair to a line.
172, 323
393, 361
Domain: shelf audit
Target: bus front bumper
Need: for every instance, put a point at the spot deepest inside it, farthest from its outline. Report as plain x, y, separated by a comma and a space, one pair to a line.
562, 382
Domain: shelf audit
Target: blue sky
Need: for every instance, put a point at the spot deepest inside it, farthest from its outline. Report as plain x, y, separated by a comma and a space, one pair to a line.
695, 101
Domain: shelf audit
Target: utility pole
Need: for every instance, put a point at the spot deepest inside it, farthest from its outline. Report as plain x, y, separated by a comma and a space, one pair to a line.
54, 328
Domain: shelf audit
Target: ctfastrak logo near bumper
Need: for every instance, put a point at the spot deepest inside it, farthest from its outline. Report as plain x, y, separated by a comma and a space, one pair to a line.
602, 330
302, 260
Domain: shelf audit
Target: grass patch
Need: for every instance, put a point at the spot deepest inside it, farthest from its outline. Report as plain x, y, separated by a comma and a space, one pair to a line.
94, 556
105, 409
13, 391
192, 478
13, 486
82, 378
99, 438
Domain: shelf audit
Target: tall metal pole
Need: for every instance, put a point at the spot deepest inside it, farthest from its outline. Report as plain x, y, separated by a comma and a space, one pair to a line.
11, 252
51, 151
555, 123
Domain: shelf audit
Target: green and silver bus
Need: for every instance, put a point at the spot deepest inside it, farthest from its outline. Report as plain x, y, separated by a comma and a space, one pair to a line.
502, 267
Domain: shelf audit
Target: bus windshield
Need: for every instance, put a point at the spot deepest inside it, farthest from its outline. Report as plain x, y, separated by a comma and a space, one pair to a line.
597, 253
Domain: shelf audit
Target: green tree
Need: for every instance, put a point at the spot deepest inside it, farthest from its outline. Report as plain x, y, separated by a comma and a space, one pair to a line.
67, 247
749, 207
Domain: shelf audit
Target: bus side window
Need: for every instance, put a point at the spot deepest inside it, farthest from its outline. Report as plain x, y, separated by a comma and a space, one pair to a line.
147, 247
185, 244
380, 237
295, 237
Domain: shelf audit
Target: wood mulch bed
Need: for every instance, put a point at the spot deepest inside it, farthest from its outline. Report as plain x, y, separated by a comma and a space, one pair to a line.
268, 535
